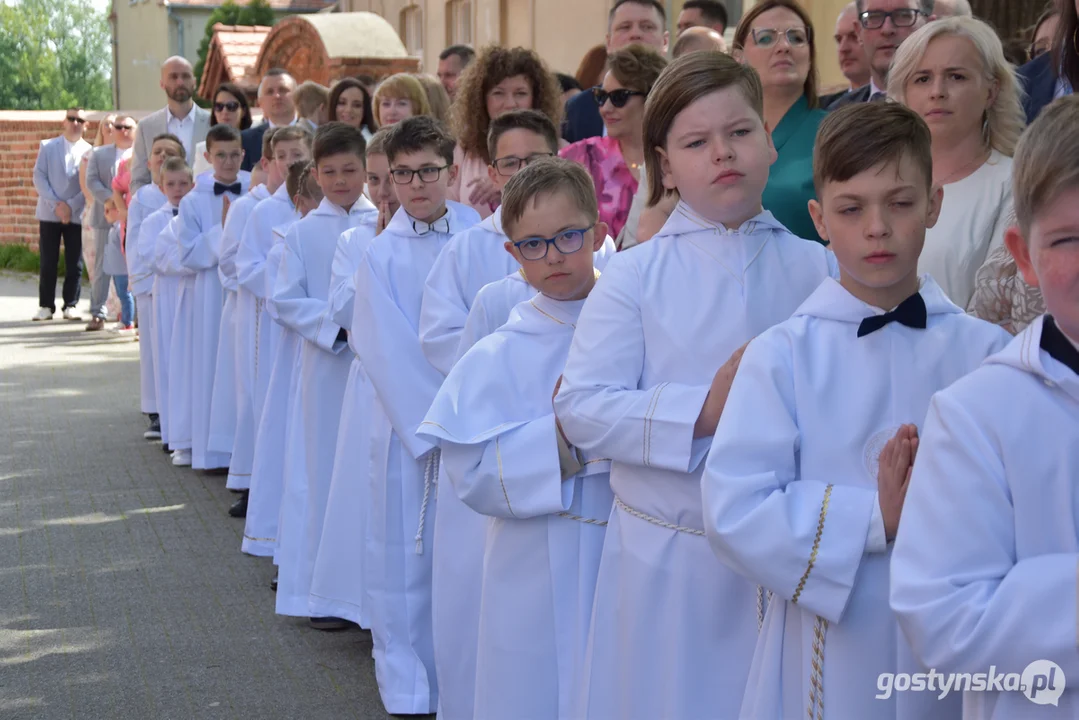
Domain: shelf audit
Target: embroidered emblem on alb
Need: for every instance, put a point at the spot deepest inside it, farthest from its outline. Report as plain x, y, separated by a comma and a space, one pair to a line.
874, 447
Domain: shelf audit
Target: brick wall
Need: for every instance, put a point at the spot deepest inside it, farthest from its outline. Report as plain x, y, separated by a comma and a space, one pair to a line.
21, 133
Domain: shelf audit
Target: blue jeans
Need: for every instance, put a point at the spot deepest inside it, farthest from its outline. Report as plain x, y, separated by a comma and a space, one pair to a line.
127, 300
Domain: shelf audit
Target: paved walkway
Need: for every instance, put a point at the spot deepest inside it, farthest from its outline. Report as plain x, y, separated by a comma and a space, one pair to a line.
123, 592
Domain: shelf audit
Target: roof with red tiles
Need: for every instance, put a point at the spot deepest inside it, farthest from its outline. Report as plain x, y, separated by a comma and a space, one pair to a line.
234, 50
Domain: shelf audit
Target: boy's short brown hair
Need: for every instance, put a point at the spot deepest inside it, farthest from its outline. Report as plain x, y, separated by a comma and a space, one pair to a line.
1046, 160
531, 120
221, 133
300, 181
377, 144
337, 138
308, 97
177, 164
685, 81
545, 176
169, 137
419, 133
291, 133
859, 137
267, 142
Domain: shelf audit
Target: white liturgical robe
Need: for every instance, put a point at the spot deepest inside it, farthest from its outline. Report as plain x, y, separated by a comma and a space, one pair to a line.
148, 200
791, 502
337, 585
984, 571
199, 235
389, 291
663, 318
301, 299
496, 425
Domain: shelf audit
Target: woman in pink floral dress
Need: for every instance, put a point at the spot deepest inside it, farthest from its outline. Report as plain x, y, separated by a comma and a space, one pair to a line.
615, 160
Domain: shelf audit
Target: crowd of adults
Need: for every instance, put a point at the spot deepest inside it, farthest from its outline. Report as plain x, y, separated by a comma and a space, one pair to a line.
907, 51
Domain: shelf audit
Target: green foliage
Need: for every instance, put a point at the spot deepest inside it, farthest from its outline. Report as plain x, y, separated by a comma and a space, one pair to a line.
256, 12
20, 258
54, 54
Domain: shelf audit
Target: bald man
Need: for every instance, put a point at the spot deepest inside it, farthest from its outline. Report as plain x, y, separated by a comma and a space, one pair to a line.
180, 116
952, 8
698, 38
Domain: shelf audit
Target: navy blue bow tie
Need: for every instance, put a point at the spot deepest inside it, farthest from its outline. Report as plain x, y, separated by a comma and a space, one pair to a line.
442, 225
175, 212
1058, 345
221, 188
911, 312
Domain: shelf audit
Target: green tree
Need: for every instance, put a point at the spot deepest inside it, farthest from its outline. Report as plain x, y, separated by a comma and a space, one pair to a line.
54, 54
256, 12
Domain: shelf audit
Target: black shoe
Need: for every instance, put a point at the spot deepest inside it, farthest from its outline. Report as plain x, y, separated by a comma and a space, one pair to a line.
239, 508
166, 448
273, 583
154, 431
331, 624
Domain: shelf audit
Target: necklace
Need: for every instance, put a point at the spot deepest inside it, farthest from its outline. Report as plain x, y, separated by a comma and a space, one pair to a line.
981, 153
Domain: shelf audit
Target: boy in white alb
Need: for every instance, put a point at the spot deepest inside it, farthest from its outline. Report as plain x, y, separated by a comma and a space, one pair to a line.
337, 584
507, 459
301, 299
281, 146
199, 235
271, 415
389, 290
805, 480
986, 565
673, 630
146, 201
171, 279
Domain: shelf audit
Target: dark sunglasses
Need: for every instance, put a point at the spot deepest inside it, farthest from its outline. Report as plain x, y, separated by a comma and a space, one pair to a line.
618, 97
121, 126
231, 106
76, 120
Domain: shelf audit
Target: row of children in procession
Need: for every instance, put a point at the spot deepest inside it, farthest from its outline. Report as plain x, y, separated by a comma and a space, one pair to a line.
670, 490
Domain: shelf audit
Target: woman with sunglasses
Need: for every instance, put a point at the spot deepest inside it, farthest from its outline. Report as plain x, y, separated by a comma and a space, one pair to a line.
615, 160
776, 39
229, 108
1055, 73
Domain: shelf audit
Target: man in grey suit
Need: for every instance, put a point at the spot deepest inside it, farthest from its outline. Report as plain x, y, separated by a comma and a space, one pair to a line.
104, 162
59, 208
180, 116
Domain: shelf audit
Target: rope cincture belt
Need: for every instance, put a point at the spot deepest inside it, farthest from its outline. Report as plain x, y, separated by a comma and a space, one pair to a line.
430, 477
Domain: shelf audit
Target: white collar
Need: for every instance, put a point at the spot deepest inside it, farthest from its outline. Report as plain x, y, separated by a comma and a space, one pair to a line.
281, 193
685, 219
873, 89
170, 117
402, 223
832, 301
493, 223
328, 208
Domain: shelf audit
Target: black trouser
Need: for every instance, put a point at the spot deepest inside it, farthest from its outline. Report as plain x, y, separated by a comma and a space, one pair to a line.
49, 247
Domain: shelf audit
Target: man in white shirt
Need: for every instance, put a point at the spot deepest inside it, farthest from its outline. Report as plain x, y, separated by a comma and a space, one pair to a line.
60, 203
180, 117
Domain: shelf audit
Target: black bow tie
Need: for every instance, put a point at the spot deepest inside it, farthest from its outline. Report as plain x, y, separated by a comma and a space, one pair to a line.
175, 212
911, 312
221, 188
1058, 345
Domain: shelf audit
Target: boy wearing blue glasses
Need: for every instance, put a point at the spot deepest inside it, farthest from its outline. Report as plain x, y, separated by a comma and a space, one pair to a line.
385, 325
506, 457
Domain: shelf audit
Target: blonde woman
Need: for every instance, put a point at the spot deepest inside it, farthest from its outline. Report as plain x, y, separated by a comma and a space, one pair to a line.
953, 73
399, 97
437, 97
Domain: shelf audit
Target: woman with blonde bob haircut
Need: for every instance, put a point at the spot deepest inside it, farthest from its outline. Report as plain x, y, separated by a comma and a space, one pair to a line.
398, 98
954, 75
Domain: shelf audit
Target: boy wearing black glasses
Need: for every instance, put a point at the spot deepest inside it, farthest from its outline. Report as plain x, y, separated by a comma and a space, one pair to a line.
385, 322
504, 454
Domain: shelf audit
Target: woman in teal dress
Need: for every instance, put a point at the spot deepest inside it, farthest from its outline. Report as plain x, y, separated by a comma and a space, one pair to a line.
776, 39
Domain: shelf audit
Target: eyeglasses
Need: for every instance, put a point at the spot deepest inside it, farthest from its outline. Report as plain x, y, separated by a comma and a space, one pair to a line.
874, 19
566, 242
122, 126
768, 37
403, 176
231, 106
509, 165
76, 120
618, 97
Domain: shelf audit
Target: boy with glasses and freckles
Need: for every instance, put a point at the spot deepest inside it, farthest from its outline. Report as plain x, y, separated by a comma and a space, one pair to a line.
883, 25
386, 320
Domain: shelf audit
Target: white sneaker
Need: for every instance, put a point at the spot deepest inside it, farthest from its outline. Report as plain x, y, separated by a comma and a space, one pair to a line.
71, 313
181, 458
42, 314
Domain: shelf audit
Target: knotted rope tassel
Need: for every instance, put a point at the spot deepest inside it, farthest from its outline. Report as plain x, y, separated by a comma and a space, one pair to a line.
430, 477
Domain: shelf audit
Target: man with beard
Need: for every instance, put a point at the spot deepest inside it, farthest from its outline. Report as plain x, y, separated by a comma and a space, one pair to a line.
180, 117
